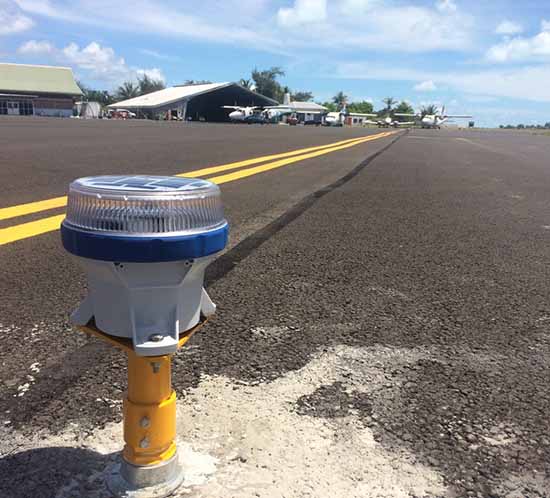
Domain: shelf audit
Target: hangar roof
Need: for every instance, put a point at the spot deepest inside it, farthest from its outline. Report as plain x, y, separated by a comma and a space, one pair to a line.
306, 107
173, 94
37, 79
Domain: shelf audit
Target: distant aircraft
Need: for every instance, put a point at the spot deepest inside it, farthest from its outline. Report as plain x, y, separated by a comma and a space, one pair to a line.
388, 122
254, 113
337, 118
433, 120
334, 119
239, 113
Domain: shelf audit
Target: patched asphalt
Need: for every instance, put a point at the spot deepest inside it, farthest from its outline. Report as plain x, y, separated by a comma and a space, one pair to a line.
436, 249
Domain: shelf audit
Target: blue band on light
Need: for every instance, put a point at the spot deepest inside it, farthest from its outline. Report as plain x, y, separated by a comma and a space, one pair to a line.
105, 247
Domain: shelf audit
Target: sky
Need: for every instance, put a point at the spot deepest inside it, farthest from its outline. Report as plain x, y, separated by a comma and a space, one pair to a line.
487, 58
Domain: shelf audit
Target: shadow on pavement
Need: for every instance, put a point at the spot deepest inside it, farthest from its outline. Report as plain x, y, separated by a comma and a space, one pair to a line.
43, 472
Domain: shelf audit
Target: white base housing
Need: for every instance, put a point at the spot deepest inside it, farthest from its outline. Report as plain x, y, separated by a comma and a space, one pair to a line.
150, 303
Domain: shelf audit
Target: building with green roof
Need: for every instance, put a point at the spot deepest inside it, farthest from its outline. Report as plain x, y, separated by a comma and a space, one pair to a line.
37, 90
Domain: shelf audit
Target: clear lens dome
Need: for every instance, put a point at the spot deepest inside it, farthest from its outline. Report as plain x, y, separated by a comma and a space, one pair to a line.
144, 205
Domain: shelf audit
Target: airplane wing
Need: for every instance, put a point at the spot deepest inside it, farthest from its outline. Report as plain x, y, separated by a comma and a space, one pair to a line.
276, 107
405, 114
234, 107
457, 116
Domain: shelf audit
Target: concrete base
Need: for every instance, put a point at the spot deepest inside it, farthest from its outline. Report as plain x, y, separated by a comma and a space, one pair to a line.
125, 480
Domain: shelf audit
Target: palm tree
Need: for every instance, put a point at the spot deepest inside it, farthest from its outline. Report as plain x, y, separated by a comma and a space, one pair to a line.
128, 90
147, 85
429, 110
340, 99
302, 96
246, 83
390, 102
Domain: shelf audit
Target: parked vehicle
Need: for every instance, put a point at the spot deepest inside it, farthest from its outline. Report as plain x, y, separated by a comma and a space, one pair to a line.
121, 114
255, 119
292, 120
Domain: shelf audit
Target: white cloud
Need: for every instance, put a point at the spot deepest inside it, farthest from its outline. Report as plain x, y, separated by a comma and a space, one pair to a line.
357, 7
425, 86
339, 24
158, 55
405, 28
508, 28
100, 62
93, 61
447, 6
303, 12
45, 8
154, 73
545, 25
35, 47
12, 20
521, 49
525, 83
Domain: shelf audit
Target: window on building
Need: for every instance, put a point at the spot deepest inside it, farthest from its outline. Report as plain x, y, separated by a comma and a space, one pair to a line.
26, 108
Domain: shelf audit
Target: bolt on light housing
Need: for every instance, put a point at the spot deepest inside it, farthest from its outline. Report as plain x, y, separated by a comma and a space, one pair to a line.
144, 242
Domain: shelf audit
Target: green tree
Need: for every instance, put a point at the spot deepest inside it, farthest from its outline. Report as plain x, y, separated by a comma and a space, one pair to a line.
390, 102
267, 84
128, 90
91, 95
340, 99
147, 85
301, 96
331, 106
363, 107
403, 108
246, 83
429, 110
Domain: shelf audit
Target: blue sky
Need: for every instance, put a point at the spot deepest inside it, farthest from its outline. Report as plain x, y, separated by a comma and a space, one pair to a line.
487, 58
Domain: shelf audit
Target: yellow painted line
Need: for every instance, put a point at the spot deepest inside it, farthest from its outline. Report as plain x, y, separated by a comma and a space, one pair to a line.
36, 207
32, 207
52, 223
239, 164
243, 173
30, 229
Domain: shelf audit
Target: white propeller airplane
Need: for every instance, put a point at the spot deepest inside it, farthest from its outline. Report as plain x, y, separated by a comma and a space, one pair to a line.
434, 120
244, 114
337, 118
388, 122
240, 113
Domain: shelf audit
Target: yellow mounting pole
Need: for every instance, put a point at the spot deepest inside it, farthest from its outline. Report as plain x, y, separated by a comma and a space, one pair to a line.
149, 411
149, 466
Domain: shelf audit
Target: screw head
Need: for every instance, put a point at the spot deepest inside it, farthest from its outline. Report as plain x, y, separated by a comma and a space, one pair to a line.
145, 422
144, 443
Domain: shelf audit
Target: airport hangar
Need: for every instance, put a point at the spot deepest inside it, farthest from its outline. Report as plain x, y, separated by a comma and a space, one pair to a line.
201, 102
27, 90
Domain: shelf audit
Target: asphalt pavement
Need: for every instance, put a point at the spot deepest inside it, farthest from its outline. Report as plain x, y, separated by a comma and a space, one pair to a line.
423, 256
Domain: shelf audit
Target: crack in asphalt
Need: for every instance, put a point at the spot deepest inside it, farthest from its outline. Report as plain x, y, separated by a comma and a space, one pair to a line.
226, 262
59, 377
